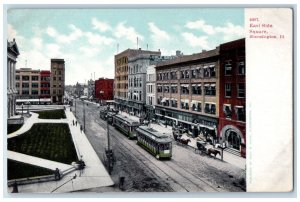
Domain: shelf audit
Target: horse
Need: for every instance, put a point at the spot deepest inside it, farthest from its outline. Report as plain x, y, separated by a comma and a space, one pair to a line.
213, 151
185, 141
176, 137
201, 146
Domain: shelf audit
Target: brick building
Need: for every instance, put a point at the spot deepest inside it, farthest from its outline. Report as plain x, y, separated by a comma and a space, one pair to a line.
232, 111
45, 83
104, 89
57, 80
187, 92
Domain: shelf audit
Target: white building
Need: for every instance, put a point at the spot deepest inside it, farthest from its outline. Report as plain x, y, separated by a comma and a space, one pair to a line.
12, 54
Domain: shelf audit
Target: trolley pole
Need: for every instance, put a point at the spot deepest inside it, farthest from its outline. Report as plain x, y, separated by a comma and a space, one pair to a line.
108, 139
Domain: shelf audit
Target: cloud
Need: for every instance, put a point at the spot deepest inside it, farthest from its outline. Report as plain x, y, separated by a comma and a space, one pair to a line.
61, 38
89, 52
101, 26
13, 34
37, 42
127, 32
201, 25
53, 51
231, 31
195, 41
96, 39
158, 34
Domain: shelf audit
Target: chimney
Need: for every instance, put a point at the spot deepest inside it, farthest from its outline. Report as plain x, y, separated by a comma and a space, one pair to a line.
178, 53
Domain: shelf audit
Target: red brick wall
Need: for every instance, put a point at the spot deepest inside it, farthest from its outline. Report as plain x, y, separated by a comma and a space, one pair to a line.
105, 85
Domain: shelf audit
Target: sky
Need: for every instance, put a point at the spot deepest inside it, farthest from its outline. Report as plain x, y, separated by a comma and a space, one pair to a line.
87, 39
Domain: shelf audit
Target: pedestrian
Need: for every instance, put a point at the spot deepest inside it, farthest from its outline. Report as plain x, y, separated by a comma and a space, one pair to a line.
81, 128
73, 122
76, 123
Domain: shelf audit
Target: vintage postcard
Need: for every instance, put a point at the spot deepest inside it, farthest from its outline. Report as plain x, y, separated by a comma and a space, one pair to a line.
130, 100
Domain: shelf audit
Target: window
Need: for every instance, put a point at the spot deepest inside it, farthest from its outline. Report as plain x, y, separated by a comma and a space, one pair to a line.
159, 88
173, 75
195, 73
182, 74
240, 112
184, 104
196, 89
184, 89
196, 106
34, 92
166, 89
210, 108
228, 69
140, 96
25, 78
210, 89
54, 78
34, 78
227, 90
205, 72
59, 78
241, 90
159, 99
212, 70
241, 68
25, 92
17, 77
17, 85
34, 85
59, 72
227, 110
174, 103
174, 88
25, 85
187, 74
166, 102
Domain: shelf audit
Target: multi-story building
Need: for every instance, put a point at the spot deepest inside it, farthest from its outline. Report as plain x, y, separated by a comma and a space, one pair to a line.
57, 80
45, 83
137, 69
151, 80
104, 89
232, 111
187, 92
121, 79
91, 89
79, 89
28, 83
12, 54
150, 91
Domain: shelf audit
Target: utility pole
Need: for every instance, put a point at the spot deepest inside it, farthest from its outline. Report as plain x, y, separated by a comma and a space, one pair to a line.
75, 107
83, 116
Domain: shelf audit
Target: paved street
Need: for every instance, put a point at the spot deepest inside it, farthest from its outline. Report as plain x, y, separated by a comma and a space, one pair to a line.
185, 172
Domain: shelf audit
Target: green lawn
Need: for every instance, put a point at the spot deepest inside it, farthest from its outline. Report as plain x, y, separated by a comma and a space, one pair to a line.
52, 114
16, 170
51, 141
13, 127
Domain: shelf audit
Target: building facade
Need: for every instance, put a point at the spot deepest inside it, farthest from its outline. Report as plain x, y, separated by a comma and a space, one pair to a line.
57, 80
12, 54
232, 111
104, 89
45, 78
187, 93
150, 91
91, 89
137, 70
28, 83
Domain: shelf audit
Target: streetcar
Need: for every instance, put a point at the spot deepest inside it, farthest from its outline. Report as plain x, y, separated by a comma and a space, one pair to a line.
103, 113
126, 125
158, 144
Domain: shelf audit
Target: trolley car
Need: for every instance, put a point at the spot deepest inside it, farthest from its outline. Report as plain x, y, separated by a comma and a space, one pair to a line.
126, 125
159, 145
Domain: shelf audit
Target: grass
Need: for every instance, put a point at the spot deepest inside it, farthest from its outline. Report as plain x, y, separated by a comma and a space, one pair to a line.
13, 127
52, 141
18, 170
52, 114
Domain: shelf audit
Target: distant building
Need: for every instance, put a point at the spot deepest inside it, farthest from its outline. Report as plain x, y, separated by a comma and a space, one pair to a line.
91, 89
150, 91
12, 54
57, 80
45, 83
104, 89
137, 69
28, 83
79, 88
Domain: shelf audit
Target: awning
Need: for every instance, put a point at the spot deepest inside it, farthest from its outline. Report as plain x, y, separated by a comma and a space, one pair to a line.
212, 65
213, 85
206, 84
239, 107
205, 67
164, 99
173, 84
184, 85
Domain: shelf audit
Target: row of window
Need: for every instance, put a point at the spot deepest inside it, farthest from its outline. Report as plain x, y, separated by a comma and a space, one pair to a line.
135, 69
136, 95
135, 82
26, 85
241, 70
27, 78
209, 89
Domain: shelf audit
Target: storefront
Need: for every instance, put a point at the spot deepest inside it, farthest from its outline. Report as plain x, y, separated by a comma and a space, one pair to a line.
193, 124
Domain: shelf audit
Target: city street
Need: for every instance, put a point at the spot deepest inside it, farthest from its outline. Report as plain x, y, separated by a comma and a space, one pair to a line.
185, 172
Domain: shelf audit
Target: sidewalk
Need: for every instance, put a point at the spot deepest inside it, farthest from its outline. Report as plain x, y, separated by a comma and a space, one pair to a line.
92, 176
227, 157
